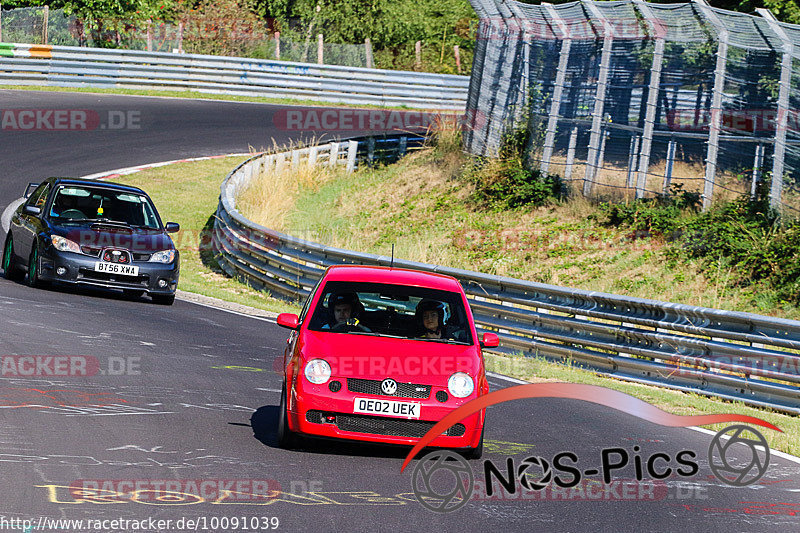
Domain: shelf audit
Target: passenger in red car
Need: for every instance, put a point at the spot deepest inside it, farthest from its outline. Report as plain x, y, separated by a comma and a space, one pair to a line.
430, 318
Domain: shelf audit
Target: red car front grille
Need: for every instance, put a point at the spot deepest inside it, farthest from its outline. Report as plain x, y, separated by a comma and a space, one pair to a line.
378, 425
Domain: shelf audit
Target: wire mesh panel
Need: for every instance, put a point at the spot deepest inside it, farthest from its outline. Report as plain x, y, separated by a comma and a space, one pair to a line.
23, 25
653, 98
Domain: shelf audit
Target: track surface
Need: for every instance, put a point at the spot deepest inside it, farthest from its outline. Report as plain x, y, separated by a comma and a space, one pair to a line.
199, 397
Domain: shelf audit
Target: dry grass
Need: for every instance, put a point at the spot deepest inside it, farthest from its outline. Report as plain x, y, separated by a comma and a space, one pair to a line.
611, 181
272, 194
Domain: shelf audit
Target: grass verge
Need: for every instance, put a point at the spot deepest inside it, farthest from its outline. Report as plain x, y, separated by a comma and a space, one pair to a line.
187, 193
193, 94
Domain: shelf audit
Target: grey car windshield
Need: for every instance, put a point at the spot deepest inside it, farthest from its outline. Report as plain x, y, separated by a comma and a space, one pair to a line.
392, 311
81, 204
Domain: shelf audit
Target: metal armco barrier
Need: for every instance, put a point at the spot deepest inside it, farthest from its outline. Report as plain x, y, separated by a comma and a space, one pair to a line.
732, 355
70, 66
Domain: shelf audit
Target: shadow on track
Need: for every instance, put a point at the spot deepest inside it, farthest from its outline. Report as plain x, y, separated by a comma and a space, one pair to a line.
265, 428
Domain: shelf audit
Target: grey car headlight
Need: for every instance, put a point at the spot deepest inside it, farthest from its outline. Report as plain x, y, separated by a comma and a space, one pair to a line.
166, 256
63, 244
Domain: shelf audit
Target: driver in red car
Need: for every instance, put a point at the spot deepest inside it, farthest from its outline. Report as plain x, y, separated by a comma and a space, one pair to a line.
345, 311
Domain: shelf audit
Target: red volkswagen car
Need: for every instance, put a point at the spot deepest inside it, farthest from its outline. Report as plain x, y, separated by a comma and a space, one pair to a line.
380, 355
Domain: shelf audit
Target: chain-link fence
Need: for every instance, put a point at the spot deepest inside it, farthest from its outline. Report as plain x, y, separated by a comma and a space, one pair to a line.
40, 25
627, 98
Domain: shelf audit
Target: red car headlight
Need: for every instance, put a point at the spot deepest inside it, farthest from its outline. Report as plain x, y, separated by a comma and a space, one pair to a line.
318, 371
460, 385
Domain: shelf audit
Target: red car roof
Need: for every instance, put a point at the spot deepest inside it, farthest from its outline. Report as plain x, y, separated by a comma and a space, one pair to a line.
398, 276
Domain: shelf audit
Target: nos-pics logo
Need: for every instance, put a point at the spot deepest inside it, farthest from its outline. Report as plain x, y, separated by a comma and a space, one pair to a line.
443, 481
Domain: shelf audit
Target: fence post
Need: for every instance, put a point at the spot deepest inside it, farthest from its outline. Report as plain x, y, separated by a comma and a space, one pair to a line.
599, 99
601, 153
779, 152
320, 49
45, 20
402, 146
368, 50
670, 162
757, 164
334, 154
312, 156
295, 159
558, 89
277, 45
633, 155
180, 37
418, 54
149, 35
716, 101
370, 150
652, 96
352, 151
573, 142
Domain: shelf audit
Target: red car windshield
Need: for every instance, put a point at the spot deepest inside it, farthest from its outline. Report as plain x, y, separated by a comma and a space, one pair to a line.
392, 311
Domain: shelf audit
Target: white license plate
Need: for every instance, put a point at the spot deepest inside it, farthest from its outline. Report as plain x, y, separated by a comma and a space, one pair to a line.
386, 407
114, 268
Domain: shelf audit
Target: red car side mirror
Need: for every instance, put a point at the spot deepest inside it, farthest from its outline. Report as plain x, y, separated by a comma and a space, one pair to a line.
288, 320
490, 340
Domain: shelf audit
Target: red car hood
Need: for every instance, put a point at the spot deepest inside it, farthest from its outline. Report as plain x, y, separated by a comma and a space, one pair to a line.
404, 360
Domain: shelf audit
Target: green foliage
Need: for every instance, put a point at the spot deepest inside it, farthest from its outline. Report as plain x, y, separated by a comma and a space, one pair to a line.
748, 237
515, 186
662, 215
393, 27
507, 183
744, 238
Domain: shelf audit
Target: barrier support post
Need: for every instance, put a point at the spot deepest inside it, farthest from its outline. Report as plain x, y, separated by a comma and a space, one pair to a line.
352, 151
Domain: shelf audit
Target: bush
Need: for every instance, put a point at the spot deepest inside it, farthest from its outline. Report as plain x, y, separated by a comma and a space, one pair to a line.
510, 185
662, 215
506, 183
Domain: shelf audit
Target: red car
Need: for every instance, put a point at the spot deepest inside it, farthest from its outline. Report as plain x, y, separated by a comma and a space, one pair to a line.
380, 355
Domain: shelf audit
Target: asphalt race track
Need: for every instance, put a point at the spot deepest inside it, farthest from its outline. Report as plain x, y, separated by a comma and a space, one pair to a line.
177, 419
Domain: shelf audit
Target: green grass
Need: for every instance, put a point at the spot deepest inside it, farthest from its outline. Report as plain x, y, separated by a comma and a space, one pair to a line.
193, 94
676, 402
187, 193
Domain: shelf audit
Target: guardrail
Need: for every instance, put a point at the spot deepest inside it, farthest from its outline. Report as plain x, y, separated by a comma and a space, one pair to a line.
66, 66
732, 355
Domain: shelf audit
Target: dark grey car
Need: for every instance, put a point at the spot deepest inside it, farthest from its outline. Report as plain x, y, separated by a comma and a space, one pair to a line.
86, 232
